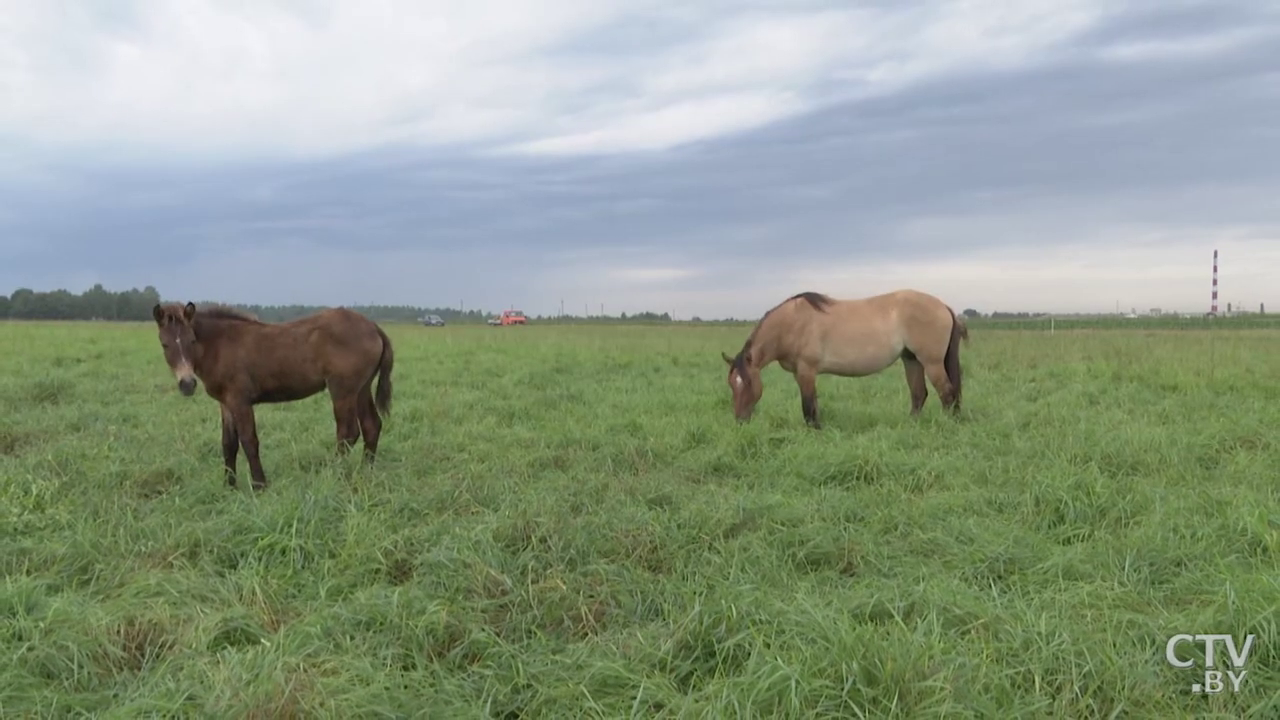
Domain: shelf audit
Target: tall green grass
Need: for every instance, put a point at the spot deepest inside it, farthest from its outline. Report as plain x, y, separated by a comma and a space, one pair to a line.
567, 522
1051, 323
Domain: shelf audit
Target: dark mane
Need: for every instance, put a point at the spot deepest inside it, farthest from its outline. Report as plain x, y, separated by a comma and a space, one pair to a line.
223, 312
816, 300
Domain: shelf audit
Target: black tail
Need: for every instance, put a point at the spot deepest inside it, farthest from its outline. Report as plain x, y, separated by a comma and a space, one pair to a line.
383, 397
951, 361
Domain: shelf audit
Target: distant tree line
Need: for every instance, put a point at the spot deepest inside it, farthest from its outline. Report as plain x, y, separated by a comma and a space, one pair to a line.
378, 313
643, 317
98, 303
95, 303
1000, 315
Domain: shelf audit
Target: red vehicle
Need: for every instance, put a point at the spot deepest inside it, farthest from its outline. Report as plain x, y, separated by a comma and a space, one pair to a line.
509, 317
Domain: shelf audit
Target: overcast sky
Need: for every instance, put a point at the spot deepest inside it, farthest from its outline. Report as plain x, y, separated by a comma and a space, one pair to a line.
707, 157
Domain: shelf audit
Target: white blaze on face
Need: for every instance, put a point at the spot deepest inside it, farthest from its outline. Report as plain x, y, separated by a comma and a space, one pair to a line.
737, 381
183, 370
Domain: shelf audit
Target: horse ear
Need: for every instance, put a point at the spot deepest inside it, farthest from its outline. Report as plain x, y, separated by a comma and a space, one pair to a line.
189, 312
726, 357
158, 313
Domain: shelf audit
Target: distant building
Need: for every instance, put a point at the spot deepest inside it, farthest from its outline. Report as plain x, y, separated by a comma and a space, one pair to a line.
1154, 312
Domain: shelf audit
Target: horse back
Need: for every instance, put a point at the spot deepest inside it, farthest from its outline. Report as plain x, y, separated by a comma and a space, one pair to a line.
337, 340
277, 362
865, 335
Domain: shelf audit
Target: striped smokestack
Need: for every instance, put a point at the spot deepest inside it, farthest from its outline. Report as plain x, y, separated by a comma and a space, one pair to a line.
1213, 305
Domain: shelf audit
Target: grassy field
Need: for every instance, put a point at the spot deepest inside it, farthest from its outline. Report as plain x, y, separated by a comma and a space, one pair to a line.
566, 522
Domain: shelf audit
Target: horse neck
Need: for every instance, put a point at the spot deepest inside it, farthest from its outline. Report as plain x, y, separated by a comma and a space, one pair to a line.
763, 346
212, 333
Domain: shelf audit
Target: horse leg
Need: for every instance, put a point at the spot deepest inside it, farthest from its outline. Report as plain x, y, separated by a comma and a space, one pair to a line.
370, 422
230, 444
807, 379
346, 421
247, 428
915, 381
937, 375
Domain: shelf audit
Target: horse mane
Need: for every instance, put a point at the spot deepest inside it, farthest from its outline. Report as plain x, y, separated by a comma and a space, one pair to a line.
216, 311
816, 300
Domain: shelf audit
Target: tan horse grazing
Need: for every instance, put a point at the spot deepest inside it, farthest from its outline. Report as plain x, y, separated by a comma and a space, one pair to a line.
812, 334
243, 362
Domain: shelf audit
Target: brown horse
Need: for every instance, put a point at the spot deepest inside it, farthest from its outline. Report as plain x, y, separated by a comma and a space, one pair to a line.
812, 334
243, 362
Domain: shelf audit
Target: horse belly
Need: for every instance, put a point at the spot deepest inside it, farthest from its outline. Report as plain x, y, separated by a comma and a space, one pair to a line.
861, 365
858, 356
288, 393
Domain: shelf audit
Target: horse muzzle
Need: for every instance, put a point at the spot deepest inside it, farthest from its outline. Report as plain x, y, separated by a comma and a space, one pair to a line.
187, 386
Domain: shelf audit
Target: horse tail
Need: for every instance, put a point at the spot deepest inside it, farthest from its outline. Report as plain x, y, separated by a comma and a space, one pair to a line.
951, 361
383, 397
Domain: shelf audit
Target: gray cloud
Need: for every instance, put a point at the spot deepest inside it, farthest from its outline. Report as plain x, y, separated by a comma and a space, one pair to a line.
1064, 151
